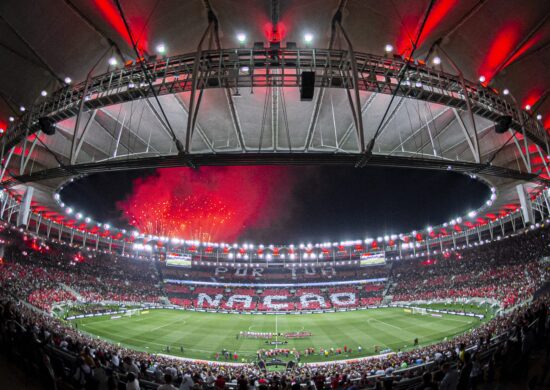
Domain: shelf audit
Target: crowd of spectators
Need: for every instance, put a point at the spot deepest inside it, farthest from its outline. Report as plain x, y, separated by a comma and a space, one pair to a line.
318, 272
284, 299
507, 271
67, 355
46, 278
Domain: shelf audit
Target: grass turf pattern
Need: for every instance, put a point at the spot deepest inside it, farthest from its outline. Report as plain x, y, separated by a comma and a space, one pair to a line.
202, 335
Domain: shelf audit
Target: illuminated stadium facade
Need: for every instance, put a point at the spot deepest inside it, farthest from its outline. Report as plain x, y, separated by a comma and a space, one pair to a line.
284, 95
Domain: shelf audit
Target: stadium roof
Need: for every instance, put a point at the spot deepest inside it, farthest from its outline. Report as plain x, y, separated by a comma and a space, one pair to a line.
242, 121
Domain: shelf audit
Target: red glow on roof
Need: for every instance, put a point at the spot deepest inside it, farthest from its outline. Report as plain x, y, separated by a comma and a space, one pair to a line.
533, 97
503, 44
137, 25
208, 204
411, 24
275, 34
523, 49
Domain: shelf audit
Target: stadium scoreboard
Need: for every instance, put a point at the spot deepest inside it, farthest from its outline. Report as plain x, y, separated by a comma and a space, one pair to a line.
178, 260
369, 259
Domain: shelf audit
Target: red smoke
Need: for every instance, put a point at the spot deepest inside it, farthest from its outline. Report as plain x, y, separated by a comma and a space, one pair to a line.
209, 203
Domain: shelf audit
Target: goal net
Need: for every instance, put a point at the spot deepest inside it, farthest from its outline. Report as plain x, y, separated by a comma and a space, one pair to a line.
419, 310
132, 312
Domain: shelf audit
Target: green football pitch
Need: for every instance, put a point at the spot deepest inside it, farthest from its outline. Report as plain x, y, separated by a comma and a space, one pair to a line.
202, 335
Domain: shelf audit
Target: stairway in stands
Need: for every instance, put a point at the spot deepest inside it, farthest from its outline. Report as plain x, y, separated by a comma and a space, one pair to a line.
72, 291
387, 299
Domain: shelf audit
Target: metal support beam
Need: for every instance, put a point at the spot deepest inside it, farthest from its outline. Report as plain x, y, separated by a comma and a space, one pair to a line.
418, 130
235, 118
357, 103
76, 152
192, 111
199, 128
475, 151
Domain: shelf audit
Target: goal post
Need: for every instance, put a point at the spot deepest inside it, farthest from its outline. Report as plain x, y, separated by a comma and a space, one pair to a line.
132, 312
419, 310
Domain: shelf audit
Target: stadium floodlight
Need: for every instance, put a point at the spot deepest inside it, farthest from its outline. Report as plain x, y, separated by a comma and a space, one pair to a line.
68, 80
112, 61
539, 117
161, 48
11, 119
22, 108
44, 93
493, 197
482, 79
388, 48
472, 214
459, 220
386, 238
429, 229
69, 210
106, 226
241, 37
527, 107
452, 222
506, 91
308, 38
88, 220
78, 215
436, 60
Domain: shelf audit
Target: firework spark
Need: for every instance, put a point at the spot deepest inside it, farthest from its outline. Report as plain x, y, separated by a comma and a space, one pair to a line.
207, 204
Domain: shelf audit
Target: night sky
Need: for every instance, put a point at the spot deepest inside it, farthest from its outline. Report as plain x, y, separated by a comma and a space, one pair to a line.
318, 203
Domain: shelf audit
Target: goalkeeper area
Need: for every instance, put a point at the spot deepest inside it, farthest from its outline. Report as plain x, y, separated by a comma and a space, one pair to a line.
331, 336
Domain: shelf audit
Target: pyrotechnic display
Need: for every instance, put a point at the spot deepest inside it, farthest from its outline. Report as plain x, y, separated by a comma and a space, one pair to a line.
206, 204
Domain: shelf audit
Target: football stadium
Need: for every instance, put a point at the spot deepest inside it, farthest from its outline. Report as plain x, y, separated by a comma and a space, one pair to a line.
269, 194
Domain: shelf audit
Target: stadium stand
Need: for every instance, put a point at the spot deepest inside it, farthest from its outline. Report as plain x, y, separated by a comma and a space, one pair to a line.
506, 270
